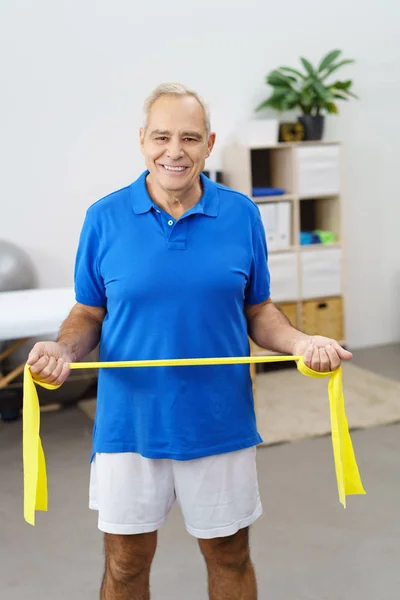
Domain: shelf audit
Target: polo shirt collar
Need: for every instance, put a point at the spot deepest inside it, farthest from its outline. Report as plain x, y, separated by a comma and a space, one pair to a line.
207, 205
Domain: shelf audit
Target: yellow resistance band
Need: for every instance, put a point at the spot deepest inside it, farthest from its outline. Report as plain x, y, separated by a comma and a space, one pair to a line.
35, 478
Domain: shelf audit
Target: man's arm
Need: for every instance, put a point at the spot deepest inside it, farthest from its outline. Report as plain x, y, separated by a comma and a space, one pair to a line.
80, 332
271, 330
79, 335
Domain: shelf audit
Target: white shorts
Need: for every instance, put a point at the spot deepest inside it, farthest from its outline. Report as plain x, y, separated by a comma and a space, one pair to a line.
218, 495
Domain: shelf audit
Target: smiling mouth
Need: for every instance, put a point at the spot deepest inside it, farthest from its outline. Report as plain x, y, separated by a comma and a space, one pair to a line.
171, 169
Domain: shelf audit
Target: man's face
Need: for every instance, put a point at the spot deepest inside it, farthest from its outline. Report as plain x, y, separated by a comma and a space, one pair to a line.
175, 144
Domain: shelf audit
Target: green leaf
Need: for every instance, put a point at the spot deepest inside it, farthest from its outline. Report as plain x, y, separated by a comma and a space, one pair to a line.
277, 100
308, 66
340, 96
276, 78
290, 70
263, 104
277, 104
329, 59
321, 91
291, 100
281, 90
331, 108
337, 66
306, 98
341, 85
349, 93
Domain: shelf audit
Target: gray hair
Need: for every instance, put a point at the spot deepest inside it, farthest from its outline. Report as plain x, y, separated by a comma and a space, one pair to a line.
175, 89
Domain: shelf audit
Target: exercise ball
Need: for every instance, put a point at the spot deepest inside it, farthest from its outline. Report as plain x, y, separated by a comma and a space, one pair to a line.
16, 269
16, 273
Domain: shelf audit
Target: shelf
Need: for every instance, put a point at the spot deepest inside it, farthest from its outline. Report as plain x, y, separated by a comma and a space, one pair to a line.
283, 145
321, 214
280, 198
309, 247
284, 250
310, 175
306, 248
272, 168
326, 196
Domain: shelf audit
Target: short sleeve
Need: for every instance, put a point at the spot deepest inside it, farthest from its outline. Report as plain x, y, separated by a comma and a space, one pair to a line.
89, 285
258, 285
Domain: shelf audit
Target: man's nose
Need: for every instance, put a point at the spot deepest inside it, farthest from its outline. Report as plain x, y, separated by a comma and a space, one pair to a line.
175, 149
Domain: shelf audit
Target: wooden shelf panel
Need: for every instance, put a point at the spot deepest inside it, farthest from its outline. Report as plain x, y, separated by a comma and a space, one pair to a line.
283, 250
280, 198
282, 145
306, 248
319, 196
322, 247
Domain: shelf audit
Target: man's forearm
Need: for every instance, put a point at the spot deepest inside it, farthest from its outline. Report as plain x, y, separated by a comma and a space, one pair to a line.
270, 329
80, 333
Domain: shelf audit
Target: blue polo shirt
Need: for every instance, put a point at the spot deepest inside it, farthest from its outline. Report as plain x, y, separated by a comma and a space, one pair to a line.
173, 289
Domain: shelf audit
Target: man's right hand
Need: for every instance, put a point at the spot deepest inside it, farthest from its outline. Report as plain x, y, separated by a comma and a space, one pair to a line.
49, 362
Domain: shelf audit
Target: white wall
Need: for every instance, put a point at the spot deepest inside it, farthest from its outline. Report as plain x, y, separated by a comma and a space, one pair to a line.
75, 75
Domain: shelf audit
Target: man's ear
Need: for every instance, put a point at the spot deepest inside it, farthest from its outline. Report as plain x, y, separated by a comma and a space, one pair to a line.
141, 138
211, 142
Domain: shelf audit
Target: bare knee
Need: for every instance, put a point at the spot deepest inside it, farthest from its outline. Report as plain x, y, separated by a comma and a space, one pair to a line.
232, 552
128, 556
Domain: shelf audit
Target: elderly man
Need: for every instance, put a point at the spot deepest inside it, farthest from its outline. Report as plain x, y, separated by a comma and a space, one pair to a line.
175, 266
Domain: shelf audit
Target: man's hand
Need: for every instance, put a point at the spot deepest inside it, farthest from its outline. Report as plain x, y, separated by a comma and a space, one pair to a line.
321, 353
49, 362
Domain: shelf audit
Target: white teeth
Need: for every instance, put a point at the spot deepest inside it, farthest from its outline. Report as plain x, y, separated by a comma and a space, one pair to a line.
174, 168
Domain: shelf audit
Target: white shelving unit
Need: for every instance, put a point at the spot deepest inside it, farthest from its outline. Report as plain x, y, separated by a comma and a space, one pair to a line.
306, 280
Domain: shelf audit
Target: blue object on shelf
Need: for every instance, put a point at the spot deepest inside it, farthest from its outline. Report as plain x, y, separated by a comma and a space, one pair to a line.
308, 237
267, 191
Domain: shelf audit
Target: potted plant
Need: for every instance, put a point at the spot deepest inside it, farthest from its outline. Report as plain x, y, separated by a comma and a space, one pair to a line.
312, 91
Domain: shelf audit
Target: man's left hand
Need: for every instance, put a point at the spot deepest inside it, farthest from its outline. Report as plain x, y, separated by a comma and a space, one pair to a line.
320, 353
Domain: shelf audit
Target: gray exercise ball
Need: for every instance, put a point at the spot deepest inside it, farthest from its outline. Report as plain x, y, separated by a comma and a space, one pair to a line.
16, 268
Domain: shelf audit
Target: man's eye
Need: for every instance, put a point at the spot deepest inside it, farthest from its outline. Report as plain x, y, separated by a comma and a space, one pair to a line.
188, 139
161, 138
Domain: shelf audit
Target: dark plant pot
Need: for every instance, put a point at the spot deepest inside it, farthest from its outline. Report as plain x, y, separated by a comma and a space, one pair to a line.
313, 126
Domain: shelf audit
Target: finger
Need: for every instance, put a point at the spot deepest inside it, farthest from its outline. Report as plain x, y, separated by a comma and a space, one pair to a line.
38, 366
47, 372
308, 356
342, 353
65, 371
56, 371
324, 360
34, 354
334, 359
315, 360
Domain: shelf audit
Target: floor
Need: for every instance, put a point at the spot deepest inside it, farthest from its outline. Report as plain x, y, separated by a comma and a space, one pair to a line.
305, 547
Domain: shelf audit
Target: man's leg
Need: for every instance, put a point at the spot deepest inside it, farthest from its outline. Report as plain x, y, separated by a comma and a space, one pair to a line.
128, 560
132, 495
220, 500
230, 571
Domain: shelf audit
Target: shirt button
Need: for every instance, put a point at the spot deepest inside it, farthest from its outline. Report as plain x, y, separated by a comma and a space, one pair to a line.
170, 222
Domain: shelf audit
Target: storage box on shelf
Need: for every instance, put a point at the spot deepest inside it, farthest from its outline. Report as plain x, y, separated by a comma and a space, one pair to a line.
302, 203
285, 281
318, 169
321, 272
323, 316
